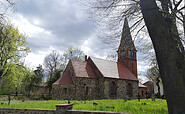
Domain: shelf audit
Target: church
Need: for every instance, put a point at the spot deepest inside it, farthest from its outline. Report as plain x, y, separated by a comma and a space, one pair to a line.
96, 78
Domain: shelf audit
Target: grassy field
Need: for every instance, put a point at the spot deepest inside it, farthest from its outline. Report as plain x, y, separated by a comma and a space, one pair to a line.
133, 106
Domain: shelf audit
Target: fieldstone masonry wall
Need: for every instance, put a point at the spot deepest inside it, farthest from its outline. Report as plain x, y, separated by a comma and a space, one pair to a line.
25, 111
66, 92
60, 109
97, 88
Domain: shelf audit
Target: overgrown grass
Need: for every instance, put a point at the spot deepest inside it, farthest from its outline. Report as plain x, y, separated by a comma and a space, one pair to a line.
133, 106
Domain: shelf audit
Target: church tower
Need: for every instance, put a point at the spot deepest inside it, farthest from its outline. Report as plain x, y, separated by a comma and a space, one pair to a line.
127, 50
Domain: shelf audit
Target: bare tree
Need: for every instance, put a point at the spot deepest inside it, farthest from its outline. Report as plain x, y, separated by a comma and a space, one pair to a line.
6, 6
165, 24
52, 63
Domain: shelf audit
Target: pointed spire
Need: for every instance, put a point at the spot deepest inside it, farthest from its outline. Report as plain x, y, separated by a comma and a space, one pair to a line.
126, 37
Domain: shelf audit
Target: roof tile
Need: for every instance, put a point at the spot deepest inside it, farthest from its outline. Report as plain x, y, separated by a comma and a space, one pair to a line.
65, 79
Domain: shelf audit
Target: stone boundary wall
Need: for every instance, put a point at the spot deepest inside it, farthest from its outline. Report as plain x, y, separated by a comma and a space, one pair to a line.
60, 109
92, 112
25, 111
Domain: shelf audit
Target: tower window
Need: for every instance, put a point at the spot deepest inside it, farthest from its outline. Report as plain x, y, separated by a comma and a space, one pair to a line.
122, 54
131, 54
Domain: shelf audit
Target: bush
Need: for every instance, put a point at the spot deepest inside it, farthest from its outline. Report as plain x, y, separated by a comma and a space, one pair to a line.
36, 96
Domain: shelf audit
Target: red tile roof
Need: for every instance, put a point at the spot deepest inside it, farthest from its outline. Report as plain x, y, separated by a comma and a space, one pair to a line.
125, 73
65, 79
109, 69
82, 69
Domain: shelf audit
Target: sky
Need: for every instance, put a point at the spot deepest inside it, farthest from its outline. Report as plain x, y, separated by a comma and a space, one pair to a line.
57, 25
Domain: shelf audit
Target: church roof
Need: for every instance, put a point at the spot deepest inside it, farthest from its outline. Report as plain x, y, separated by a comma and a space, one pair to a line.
112, 69
65, 79
126, 37
109, 69
82, 69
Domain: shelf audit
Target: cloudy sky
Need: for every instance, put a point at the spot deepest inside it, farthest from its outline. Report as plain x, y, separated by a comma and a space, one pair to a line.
57, 25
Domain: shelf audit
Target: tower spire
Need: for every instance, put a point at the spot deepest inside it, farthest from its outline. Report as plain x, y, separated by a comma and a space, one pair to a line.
127, 50
126, 37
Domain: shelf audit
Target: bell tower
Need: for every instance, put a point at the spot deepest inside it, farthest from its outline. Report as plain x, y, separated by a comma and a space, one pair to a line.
127, 51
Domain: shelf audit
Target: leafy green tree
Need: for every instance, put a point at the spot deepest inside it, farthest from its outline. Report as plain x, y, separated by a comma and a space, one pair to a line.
12, 80
13, 47
30, 80
39, 74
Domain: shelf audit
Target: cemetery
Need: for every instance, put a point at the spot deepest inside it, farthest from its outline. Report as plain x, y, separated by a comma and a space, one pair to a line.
158, 106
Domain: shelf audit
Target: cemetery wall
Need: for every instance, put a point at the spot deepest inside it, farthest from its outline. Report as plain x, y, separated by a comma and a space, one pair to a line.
60, 109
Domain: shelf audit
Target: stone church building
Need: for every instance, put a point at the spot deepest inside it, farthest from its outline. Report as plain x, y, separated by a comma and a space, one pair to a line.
97, 78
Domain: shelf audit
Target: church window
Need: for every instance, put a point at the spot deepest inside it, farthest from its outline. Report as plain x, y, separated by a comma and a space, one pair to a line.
86, 90
112, 89
122, 48
65, 90
123, 54
129, 89
131, 54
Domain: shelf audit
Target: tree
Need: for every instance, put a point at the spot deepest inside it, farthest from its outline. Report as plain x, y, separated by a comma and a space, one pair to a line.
30, 80
72, 53
6, 6
153, 71
12, 80
169, 51
13, 47
153, 75
112, 57
163, 20
55, 63
39, 74
52, 63
55, 77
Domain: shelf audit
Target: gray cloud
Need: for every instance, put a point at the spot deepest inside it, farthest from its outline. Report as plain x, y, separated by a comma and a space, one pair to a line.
63, 19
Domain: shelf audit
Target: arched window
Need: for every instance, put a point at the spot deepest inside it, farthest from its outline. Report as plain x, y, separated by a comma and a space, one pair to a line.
123, 53
65, 90
129, 90
131, 54
112, 89
87, 91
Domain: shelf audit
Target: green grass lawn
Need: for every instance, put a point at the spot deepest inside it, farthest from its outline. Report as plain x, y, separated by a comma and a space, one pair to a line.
133, 106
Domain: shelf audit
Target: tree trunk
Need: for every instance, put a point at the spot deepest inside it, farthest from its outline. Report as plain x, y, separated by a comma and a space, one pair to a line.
158, 87
169, 55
